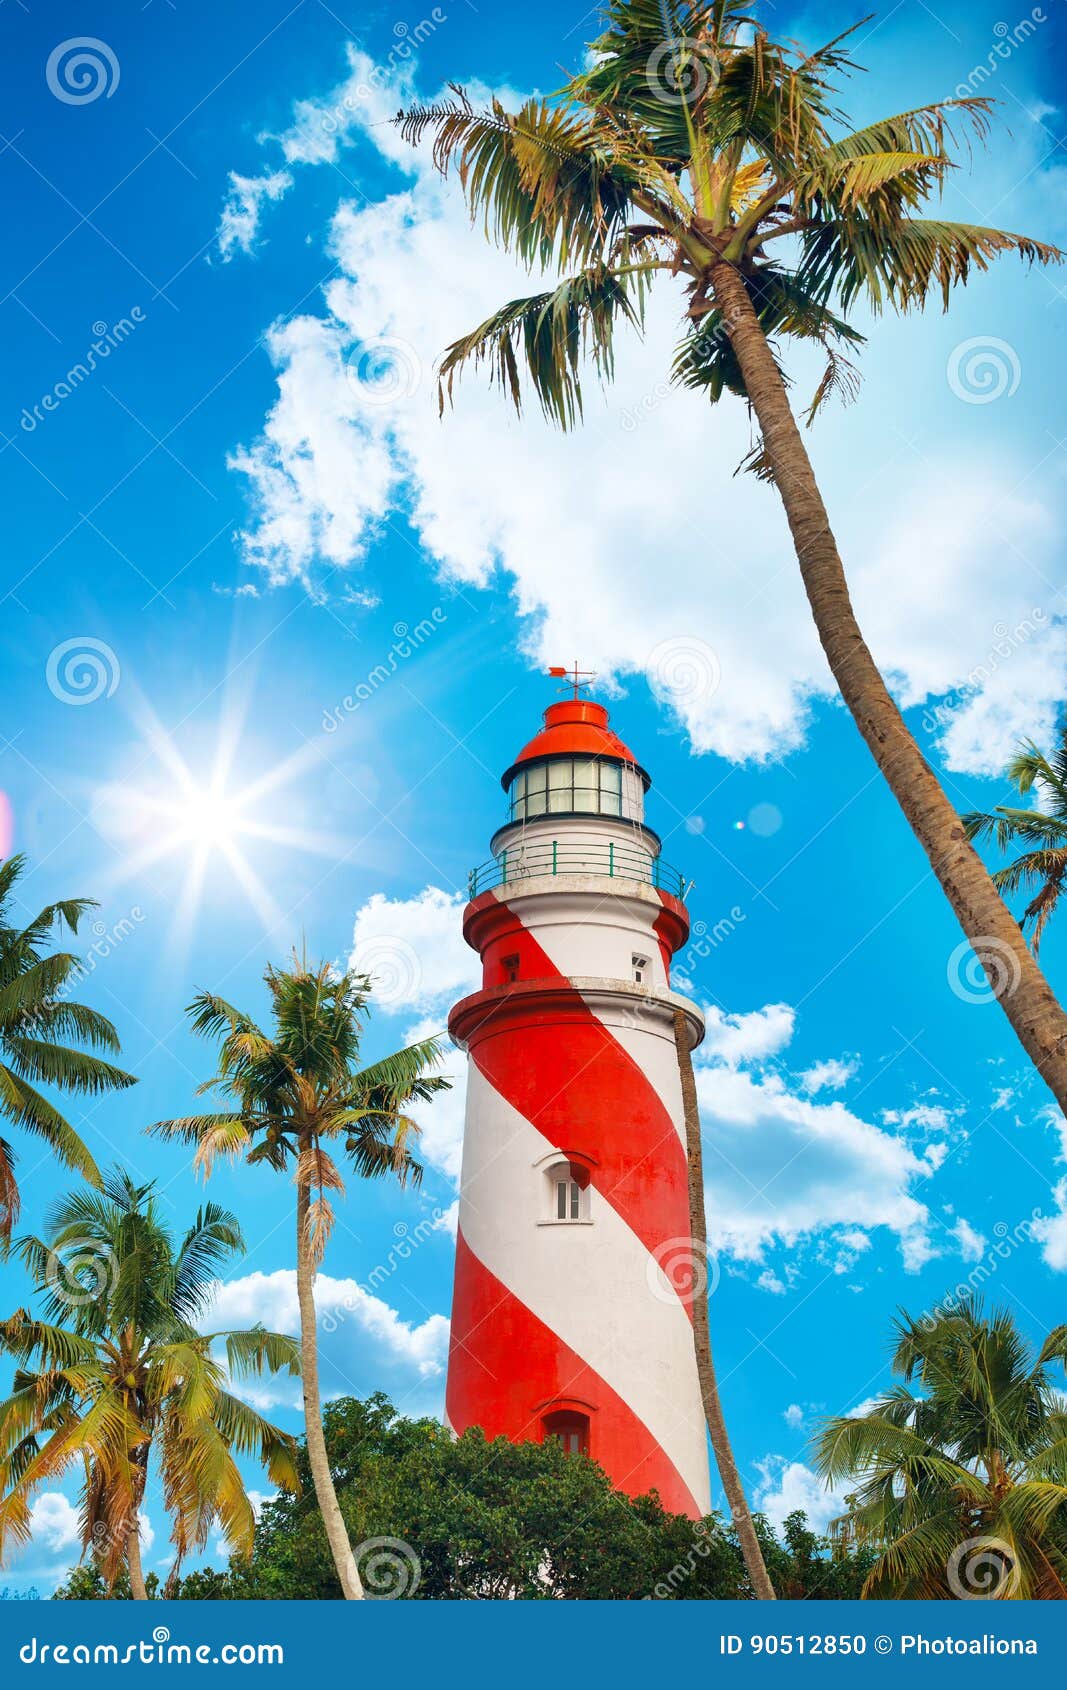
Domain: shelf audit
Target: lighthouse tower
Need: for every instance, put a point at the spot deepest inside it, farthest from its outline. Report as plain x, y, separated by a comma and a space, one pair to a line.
570, 1315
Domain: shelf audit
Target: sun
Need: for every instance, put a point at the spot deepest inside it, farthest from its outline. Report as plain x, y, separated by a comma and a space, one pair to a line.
165, 813
208, 818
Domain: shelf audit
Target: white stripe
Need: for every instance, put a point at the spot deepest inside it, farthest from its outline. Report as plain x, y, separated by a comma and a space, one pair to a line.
589, 1284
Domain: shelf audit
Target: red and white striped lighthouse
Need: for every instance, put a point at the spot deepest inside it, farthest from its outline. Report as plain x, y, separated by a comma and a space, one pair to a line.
573, 1215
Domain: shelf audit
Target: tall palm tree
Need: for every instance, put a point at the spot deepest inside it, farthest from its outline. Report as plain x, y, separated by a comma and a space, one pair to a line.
118, 1374
1044, 830
36, 1018
294, 1091
963, 1481
697, 147
732, 1484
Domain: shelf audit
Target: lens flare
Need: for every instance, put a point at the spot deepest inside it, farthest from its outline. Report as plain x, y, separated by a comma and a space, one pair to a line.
210, 825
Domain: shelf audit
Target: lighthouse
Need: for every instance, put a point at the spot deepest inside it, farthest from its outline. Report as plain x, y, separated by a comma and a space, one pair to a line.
571, 1315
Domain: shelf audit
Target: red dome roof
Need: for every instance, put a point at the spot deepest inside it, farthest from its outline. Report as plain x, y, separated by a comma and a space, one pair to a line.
576, 727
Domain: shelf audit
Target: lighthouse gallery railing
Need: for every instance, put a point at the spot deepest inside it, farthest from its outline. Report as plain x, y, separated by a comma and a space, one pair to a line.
556, 856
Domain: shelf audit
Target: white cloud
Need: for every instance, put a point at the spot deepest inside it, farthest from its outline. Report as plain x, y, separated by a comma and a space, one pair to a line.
341, 1304
239, 222
786, 1485
927, 1117
793, 1415
1050, 1115
784, 1169
1051, 1231
449, 1221
414, 949
441, 1120
752, 1037
489, 496
54, 1522
830, 1075
320, 482
972, 1243
259, 1500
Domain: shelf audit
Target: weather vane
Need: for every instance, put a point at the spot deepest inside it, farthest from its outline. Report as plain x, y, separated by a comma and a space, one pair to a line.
576, 678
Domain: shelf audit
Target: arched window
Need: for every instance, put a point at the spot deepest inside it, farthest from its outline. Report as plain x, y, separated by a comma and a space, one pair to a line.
570, 1427
568, 1193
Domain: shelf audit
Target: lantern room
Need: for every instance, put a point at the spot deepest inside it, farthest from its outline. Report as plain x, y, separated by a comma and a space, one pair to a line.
575, 766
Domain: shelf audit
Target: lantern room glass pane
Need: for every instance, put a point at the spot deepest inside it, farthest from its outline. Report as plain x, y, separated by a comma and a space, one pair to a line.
586, 796
535, 778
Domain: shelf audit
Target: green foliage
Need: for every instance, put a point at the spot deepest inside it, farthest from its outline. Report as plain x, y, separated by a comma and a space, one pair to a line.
695, 137
806, 1567
1044, 830
119, 1374
302, 1086
961, 1484
37, 1017
496, 1520
86, 1583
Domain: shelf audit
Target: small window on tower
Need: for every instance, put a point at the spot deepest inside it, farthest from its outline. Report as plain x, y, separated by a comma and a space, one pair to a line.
568, 1194
572, 1430
640, 968
568, 1200
510, 965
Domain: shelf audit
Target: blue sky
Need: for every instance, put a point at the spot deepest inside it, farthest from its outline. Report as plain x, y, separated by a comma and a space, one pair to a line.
248, 507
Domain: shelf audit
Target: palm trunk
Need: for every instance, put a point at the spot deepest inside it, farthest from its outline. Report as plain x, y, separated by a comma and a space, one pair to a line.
133, 1562
762, 1587
1014, 977
322, 1478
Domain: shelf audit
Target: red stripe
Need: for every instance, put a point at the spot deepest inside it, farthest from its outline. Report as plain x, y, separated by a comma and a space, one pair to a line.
572, 1080
665, 927
506, 1367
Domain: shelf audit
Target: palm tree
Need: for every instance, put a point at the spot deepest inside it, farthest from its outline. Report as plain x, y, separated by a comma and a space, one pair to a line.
962, 1484
740, 1513
294, 1091
36, 1017
1045, 830
692, 144
117, 1373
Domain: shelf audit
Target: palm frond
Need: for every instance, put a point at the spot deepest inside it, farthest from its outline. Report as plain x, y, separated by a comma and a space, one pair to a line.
902, 263
551, 335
